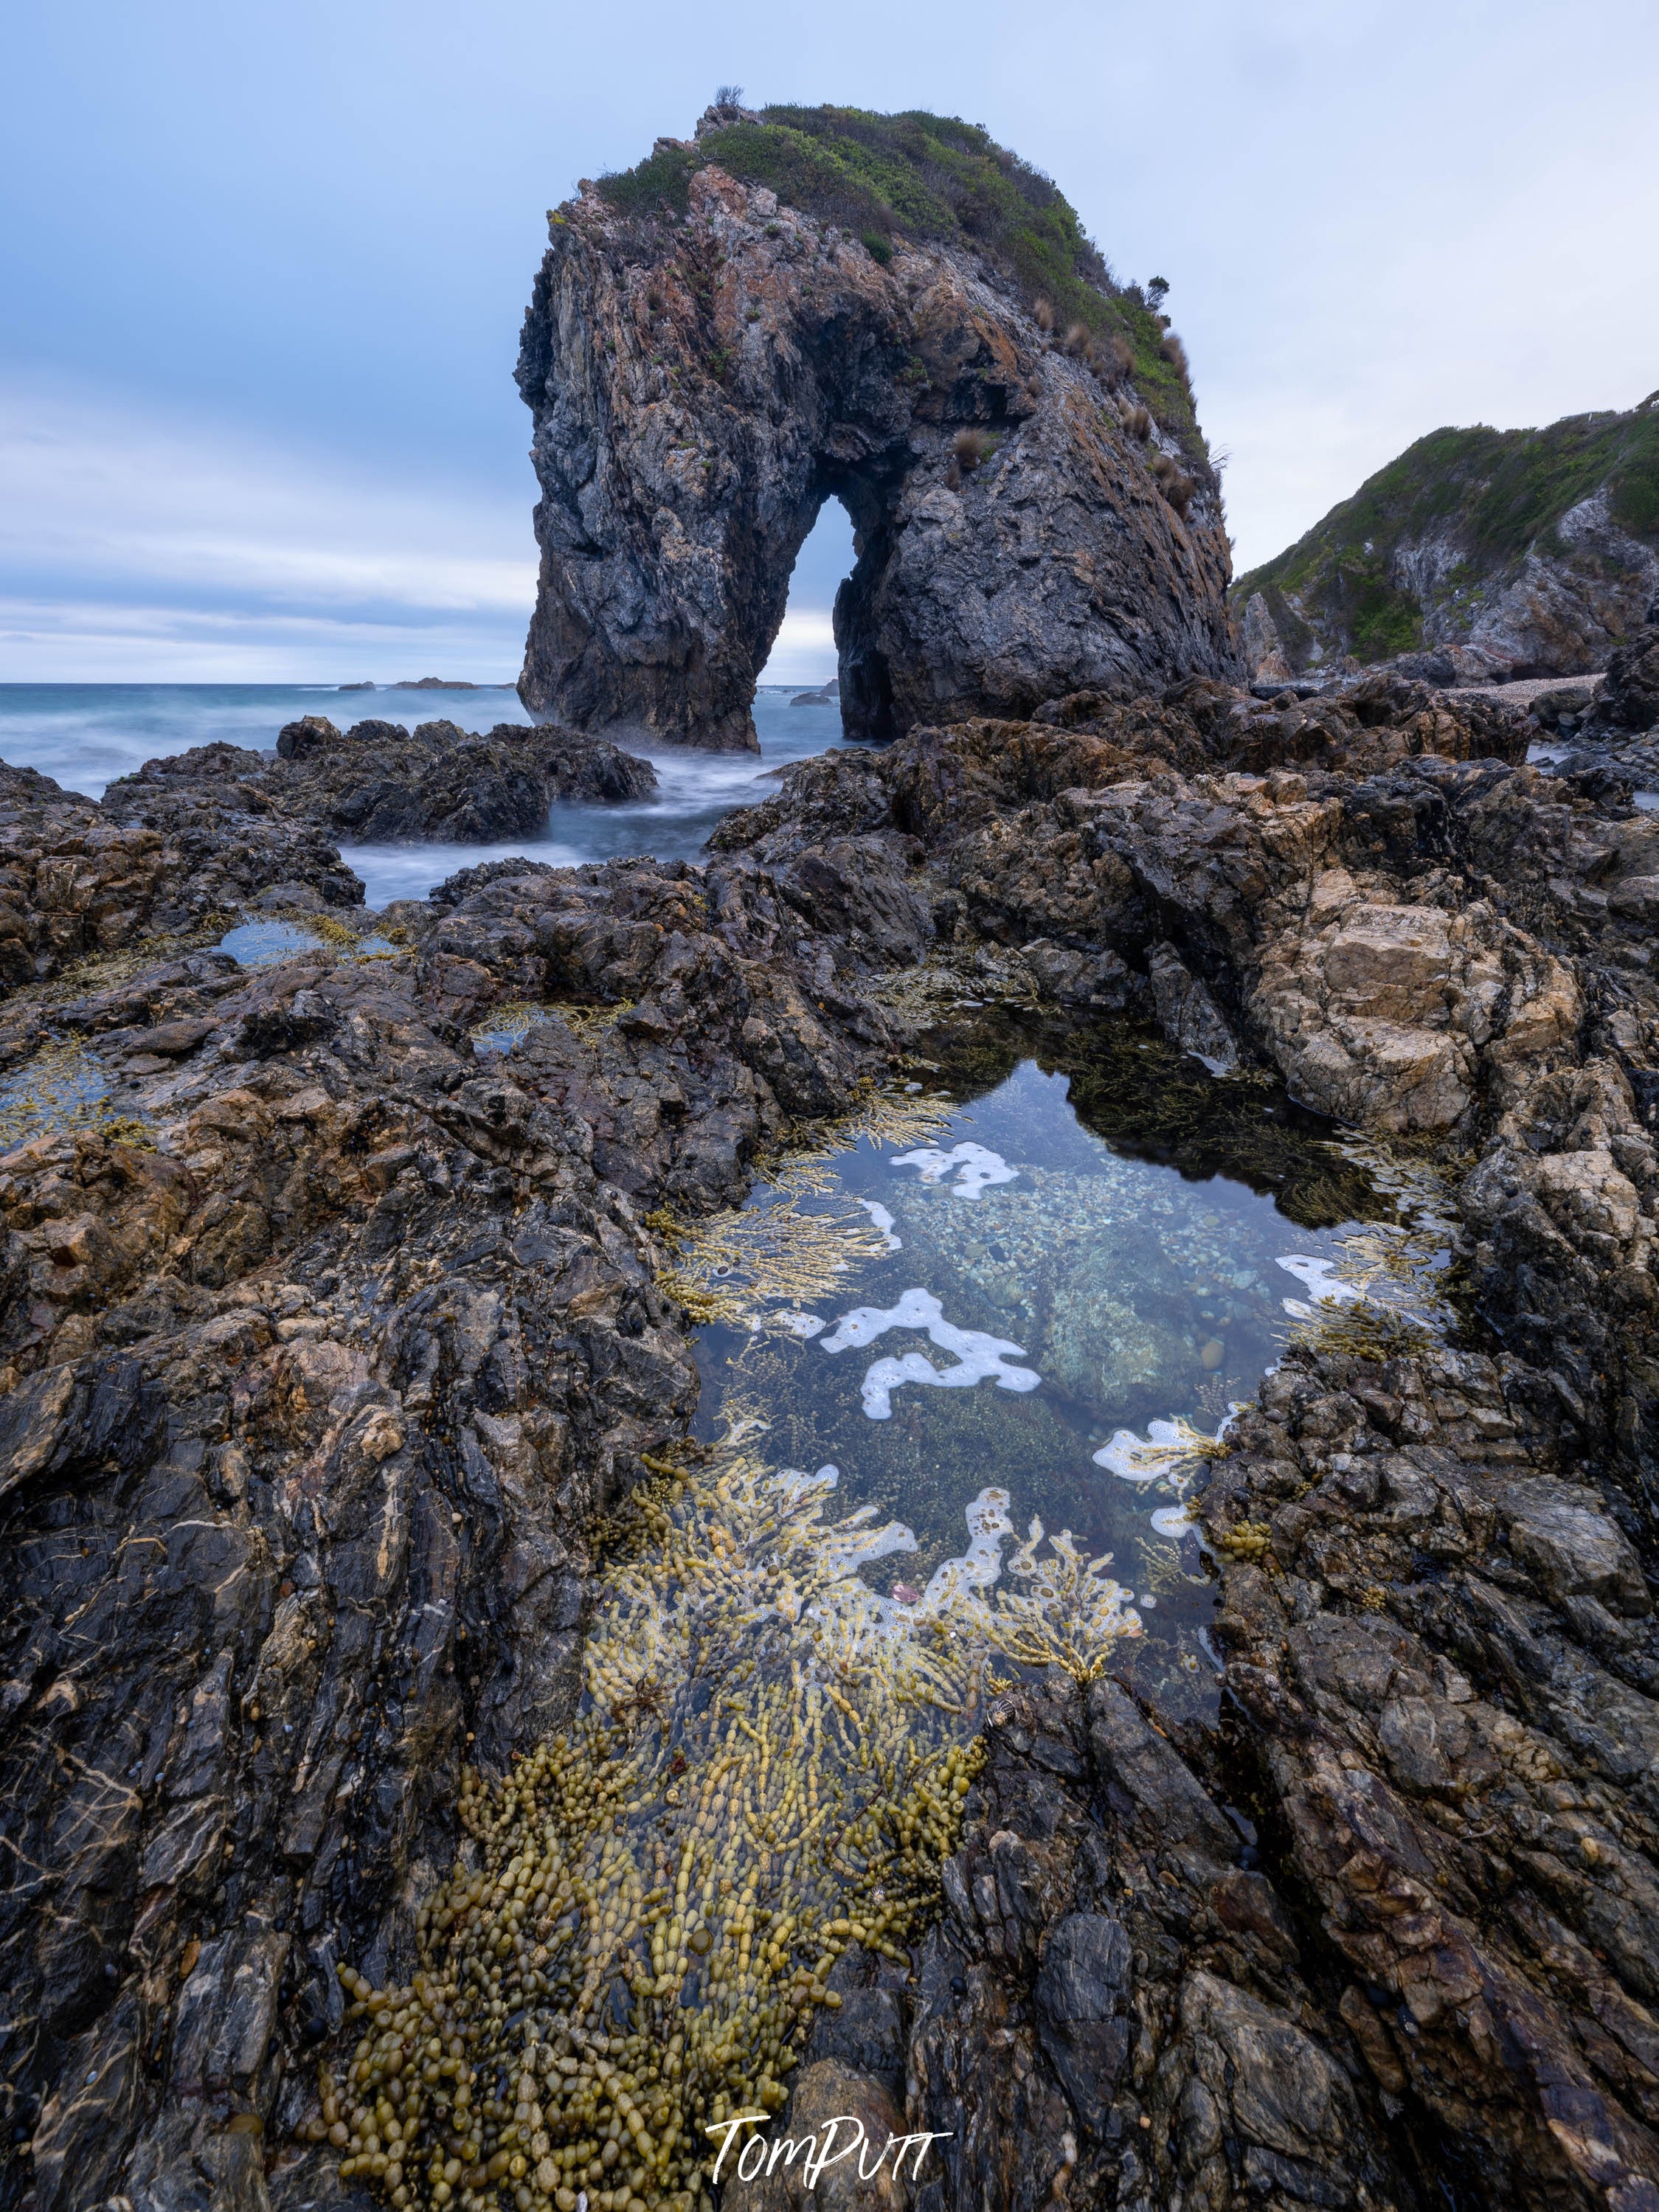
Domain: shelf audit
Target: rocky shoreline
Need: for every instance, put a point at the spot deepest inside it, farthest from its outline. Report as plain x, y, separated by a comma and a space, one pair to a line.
378, 782
328, 1344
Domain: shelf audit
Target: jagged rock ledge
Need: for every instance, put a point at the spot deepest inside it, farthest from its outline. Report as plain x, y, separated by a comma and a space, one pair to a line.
378, 783
307, 1410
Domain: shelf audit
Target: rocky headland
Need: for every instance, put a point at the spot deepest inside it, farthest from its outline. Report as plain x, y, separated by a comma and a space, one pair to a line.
1478, 555
808, 304
328, 1345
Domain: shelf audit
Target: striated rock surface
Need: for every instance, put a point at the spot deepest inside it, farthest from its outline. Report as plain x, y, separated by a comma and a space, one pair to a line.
308, 1402
77, 878
708, 361
1479, 554
376, 782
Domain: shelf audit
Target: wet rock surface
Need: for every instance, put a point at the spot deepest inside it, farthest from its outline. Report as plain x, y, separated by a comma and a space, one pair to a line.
700, 386
377, 782
318, 1361
78, 879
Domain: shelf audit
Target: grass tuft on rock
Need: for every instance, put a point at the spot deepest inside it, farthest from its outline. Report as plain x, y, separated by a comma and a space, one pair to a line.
933, 179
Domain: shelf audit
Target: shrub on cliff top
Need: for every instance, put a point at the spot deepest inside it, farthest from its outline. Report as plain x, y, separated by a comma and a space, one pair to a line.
661, 181
932, 178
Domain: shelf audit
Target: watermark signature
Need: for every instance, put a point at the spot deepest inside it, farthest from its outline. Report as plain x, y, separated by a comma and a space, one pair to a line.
823, 2147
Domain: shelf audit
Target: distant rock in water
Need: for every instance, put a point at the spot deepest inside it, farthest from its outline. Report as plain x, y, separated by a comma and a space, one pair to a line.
1478, 554
376, 783
431, 683
827, 694
893, 310
356, 687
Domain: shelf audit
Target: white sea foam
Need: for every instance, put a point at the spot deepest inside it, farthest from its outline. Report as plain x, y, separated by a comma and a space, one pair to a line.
980, 1567
979, 1357
793, 1481
852, 1542
795, 1324
883, 1221
953, 1583
1062, 1601
1322, 1284
965, 1170
1174, 1520
1167, 1450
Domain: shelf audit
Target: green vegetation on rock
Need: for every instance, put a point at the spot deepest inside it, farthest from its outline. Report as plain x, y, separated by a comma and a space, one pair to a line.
1494, 495
929, 178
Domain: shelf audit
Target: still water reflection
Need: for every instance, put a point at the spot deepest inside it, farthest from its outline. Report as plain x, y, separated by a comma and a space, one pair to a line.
998, 1318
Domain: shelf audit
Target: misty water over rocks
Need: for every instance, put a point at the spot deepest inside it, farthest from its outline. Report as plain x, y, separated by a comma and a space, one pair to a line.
85, 735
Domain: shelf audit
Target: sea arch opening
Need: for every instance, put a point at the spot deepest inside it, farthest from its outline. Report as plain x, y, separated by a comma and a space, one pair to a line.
803, 654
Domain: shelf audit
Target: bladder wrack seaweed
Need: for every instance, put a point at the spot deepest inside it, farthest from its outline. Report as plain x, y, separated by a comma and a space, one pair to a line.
507, 1024
728, 1266
811, 1165
803, 1236
510, 1023
770, 1767
63, 1087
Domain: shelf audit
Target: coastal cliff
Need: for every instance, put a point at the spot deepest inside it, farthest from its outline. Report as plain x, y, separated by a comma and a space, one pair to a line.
754, 321
1490, 553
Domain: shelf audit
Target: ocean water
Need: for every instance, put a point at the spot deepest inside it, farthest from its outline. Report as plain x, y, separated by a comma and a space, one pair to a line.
85, 735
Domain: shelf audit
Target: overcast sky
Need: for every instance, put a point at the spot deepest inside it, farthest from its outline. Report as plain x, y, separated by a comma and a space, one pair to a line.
262, 269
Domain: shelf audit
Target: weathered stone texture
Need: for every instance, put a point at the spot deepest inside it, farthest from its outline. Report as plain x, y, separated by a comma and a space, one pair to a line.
305, 1413
378, 783
700, 387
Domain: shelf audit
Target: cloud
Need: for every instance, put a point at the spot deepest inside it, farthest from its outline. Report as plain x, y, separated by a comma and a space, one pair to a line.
804, 651
136, 549
91, 641
135, 546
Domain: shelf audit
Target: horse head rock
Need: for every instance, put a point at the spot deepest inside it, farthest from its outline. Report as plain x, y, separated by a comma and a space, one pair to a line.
894, 311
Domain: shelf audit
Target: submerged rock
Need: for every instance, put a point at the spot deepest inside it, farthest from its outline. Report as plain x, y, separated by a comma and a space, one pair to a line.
827, 694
